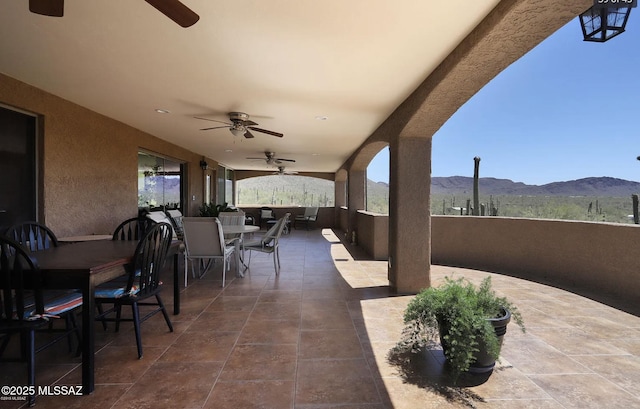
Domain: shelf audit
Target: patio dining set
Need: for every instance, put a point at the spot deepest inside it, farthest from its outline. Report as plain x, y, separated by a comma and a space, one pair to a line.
44, 279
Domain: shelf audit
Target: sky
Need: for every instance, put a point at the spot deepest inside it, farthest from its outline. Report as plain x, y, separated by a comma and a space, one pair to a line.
568, 109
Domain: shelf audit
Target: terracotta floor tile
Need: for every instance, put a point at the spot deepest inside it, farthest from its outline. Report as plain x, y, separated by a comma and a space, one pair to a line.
318, 336
261, 362
165, 386
584, 391
317, 382
251, 395
270, 332
226, 321
232, 303
276, 311
340, 343
201, 346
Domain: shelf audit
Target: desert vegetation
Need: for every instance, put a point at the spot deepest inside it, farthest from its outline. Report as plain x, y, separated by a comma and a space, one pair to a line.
292, 190
285, 190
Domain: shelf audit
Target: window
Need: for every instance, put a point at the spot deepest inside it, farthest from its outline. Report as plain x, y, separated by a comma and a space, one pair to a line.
225, 186
159, 182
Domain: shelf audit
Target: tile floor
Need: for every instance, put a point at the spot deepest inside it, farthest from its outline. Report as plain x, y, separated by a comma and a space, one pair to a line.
318, 337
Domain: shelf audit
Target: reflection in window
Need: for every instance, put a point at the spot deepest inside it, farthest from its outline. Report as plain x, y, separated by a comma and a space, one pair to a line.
159, 182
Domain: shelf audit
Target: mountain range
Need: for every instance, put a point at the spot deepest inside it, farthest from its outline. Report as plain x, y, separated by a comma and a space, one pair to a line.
591, 186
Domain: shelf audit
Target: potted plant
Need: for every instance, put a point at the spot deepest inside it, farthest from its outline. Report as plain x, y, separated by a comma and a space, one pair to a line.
469, 322
212, 210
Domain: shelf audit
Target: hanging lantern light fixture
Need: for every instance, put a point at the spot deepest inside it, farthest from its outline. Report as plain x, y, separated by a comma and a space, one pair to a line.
605, 19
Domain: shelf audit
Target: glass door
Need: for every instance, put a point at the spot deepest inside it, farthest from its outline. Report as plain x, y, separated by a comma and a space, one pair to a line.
18, 167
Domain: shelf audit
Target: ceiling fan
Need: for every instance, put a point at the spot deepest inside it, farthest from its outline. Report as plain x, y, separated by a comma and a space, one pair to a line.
270, 158
282, 171
173, 9
240, 125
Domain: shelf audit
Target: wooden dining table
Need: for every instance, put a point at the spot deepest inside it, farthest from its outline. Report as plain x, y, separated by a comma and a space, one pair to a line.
83, 266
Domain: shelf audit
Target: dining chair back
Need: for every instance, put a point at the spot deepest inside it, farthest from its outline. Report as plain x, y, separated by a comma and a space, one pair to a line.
159, 216
270, 242
231, 219
266, 214
310, 216
204, 244
143, 282
24, 308
175, 216
132, 229
33, 235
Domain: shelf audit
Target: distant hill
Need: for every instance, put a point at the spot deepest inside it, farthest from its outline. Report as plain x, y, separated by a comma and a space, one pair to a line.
592, 186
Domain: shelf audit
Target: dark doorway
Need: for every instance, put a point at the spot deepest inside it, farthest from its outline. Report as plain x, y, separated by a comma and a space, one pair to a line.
18, 197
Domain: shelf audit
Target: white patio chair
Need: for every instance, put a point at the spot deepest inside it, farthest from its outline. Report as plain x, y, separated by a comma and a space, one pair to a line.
310, 215
269, 243
204, 244
176, 221
231, 219
159, 216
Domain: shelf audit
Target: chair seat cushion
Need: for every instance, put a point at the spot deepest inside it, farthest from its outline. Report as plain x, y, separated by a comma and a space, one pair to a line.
56, 305
115, 292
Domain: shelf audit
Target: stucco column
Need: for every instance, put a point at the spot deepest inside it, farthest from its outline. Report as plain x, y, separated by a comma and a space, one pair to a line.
409, 214
356, 197
340, 194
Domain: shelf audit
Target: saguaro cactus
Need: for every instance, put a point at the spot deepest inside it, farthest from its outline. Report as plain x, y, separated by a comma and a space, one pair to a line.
476, 194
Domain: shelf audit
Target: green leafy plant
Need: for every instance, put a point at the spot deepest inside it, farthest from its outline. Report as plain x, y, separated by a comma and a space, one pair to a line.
456, 313
211, 210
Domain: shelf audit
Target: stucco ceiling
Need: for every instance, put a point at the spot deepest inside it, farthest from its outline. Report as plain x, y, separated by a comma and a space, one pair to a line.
285, 63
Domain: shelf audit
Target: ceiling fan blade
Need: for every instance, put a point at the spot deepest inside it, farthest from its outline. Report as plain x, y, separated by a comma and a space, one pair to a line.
215, 127
52, 8
213, 120
248, 135
176, 11
286, 160
279, 135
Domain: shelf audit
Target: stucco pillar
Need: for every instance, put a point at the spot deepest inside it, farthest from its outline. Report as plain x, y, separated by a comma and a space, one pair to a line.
340, 195
356, 197
409, 215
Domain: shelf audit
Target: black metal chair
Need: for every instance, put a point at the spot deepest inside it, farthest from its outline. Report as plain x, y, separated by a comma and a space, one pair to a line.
266, 214
143, 282
132, 229
24, 309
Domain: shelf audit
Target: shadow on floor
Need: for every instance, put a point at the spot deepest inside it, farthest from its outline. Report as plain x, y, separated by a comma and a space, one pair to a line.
427, 369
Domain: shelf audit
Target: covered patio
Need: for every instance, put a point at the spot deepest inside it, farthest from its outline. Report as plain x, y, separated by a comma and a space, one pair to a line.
318, 336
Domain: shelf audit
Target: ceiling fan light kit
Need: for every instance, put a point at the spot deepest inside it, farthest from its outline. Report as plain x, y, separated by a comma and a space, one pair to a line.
270, 159
240, 125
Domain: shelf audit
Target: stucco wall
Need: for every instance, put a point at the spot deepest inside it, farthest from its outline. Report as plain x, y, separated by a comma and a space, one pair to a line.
373, 234
597, 259
90, 162
343, 218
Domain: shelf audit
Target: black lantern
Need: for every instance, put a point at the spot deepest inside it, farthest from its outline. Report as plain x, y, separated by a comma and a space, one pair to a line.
600, 24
